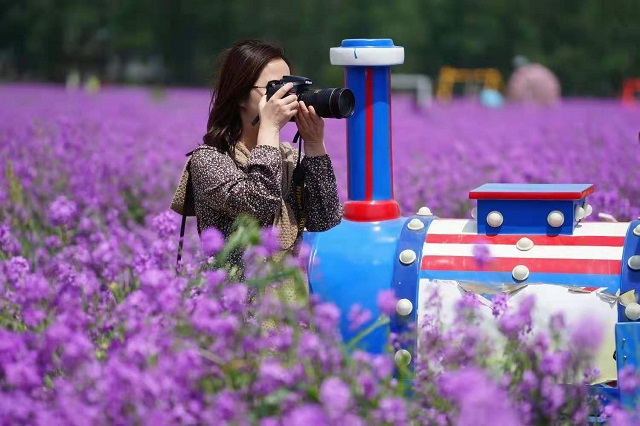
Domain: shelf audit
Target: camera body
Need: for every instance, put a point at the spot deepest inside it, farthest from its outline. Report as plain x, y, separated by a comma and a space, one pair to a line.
300, 84
329, 103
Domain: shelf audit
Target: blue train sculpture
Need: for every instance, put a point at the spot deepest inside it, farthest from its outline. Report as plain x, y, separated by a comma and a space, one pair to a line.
536, 234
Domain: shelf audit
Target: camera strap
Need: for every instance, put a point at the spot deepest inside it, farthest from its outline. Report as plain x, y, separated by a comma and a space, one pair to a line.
187, 199
298, 187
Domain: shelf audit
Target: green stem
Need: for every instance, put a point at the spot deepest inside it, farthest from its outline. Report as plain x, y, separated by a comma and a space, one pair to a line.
381, 321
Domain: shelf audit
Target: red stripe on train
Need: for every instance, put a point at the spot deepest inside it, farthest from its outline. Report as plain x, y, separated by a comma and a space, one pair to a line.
506, 264
368, 134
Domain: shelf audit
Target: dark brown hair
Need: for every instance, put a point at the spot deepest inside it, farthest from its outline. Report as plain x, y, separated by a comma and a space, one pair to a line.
240, 68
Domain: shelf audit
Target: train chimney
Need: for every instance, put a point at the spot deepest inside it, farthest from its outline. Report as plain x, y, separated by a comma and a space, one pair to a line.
367, 69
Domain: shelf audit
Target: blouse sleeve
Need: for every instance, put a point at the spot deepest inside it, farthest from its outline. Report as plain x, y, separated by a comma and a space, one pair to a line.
322, 205
220, 184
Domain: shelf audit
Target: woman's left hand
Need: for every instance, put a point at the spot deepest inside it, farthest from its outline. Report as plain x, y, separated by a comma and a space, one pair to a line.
311, 128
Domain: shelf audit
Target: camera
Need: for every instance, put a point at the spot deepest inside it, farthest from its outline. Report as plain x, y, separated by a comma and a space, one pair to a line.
329, 103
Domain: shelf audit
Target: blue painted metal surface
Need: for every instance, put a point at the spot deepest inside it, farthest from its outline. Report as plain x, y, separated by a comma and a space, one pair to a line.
526, 216
406, 278
629, 279
355, 81
627, 350
367, 42
381, 134
351, 264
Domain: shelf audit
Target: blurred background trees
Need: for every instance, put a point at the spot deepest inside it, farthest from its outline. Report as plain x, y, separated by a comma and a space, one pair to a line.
591, 45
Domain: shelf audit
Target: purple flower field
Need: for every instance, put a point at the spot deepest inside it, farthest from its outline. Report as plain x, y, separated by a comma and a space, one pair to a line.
97, 327
130, 140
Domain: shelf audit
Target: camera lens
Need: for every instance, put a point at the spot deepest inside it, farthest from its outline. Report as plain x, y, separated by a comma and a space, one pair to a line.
330, 103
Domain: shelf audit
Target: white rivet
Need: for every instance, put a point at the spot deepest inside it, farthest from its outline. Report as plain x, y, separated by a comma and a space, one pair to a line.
636, 230
632, 311
404, 307
524, 244
555, 219
407, 256
415, 224
579, 215
402, 357
520, 273
588, 210
634, 262
424, 211
494, 219
474, 213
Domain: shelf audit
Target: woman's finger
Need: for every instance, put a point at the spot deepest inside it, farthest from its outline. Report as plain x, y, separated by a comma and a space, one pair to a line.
302, 120
282, 91
291, 99
315, 118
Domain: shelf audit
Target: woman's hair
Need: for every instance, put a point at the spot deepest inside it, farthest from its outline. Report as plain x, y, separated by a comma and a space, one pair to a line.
240, 69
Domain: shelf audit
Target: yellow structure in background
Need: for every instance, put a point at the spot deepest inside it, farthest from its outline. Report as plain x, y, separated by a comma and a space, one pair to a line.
488, 78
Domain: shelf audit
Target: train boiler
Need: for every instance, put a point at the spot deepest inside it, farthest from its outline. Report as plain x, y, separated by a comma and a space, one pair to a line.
535, 234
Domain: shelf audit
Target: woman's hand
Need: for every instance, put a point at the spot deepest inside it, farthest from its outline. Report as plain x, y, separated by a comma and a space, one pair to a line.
277, 111
311, 128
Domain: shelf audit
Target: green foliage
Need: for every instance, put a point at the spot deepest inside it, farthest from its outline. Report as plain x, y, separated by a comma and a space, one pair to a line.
589, 44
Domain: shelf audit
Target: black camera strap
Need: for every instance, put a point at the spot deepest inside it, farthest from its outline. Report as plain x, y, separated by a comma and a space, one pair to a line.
298, 187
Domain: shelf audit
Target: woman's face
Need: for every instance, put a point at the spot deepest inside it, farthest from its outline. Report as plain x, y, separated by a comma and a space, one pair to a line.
274, 70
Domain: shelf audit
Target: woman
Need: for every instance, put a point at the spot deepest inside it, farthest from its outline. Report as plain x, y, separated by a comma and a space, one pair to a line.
243, 168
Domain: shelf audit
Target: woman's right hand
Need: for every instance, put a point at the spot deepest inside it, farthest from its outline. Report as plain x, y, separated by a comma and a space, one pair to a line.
277, 111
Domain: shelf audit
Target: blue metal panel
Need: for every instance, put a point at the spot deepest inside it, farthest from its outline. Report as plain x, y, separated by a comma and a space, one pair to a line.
611, 282
406, 278
629, 279
355, 81
351, 264
381, 134
627, 351
526, 216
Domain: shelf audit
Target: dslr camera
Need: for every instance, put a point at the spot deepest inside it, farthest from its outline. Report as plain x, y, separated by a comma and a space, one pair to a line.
329, 103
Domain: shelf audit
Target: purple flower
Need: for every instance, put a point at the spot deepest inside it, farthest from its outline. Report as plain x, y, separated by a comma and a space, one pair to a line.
8, 243
62, 211
33, 316
617, 415
393, 411
358, 316
52, 242
481, 255
234, 297
529, 382
15, 269
335, 396
628, 379
518, 323
553, 396
586, 335
308, 414
553, 363
499, 304
478, 400
211, 241
272, 376
327, 316
269, 240
368, 385
382, 366
228, 407
387, 302
165, 224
